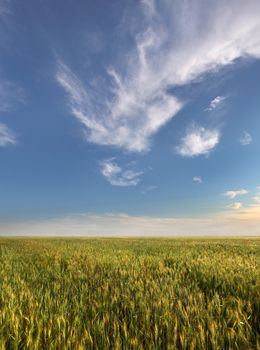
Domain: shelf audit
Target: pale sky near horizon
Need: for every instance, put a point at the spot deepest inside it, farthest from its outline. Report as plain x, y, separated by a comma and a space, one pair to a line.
134, 117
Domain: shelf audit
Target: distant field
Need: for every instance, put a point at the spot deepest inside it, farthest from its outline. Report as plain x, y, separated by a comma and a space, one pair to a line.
129, 293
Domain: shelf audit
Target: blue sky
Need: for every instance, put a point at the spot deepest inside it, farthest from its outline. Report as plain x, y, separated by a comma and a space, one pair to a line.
129, 117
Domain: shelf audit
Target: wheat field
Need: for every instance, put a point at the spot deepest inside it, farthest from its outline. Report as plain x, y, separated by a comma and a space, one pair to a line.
113, 293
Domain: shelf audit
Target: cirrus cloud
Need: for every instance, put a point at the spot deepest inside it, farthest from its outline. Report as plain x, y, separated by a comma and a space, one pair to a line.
197, 179
7, 137
10, 95
216, 103
176, 44
116, 176
246, 139
236, 205
234, 194
198, 141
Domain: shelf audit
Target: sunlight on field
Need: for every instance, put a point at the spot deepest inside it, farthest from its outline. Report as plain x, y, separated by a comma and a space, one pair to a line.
129, 293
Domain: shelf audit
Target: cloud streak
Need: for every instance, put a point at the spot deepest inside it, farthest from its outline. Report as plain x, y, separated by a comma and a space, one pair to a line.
198, 141
246, 139
216, 103
244, 222
7, 137
236, 205
116, 176
179, 43
10, 95
234, 194
128, 121
197, 179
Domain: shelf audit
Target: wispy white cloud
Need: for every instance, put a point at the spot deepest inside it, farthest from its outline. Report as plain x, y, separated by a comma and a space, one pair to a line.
257, 199
116, 176
198, 141
197, 179
248, 217
234, 194
7, 137
128, 120
181, 42
10, 95
236, 205
217, 102
243, 221
246, 139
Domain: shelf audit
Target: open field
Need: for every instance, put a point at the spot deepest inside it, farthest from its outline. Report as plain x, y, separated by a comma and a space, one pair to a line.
129, 293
